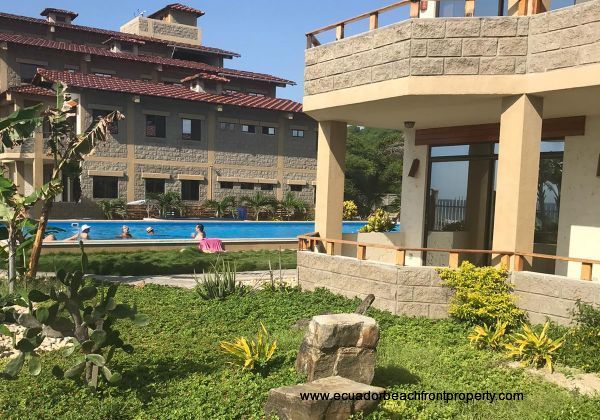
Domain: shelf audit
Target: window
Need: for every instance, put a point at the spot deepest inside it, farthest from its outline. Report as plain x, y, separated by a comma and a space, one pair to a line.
247, 186
226, 185
156, 126
191, 129
267, 187
269, 131
227, 126
100, 74
113, 128
155, 186
255, 94
296, 188
190, 190
297, 133
28, 72
105, 187
250, 129
60, 19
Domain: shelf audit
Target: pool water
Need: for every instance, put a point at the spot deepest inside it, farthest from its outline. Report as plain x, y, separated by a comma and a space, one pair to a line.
107, 230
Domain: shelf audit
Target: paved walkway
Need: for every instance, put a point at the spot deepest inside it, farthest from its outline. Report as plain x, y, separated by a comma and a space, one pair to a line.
186, 281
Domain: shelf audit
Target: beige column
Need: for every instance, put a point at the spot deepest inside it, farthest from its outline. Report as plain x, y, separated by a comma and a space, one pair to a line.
130, 121
331, 157
281, 135
518, 168
414, 197
38, 159
211, 133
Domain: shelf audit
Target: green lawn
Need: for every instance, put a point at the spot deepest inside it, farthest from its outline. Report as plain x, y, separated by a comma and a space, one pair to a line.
185, 261
177, 370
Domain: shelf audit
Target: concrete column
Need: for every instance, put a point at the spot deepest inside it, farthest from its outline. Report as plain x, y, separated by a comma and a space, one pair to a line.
331, 157
414, 197
518, 169
130, 121
211, 133
281, 135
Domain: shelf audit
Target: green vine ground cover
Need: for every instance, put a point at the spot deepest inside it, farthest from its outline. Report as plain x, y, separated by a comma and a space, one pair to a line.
185, 261
178, 371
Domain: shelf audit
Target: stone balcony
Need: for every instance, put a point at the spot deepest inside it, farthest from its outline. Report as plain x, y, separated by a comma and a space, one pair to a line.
560, 39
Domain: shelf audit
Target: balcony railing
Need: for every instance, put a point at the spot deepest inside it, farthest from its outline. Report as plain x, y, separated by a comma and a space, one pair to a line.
312, 241
525, 7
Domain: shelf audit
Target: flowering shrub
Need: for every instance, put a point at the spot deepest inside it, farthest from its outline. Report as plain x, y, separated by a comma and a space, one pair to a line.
379, 221
350, 210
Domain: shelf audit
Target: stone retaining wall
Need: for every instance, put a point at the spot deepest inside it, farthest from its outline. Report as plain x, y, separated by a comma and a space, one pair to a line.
458, 46
417, 291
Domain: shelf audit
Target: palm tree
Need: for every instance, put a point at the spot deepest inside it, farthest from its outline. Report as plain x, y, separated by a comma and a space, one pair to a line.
292, 205
259, 203
221, 207
167, 202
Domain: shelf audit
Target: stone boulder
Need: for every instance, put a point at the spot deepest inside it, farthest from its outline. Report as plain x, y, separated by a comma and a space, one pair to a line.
339, 345
287, 402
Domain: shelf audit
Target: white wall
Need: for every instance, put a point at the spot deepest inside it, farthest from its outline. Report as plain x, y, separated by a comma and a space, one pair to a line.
579, 223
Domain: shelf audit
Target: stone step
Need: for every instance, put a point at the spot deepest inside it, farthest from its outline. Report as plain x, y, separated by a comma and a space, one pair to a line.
346, 397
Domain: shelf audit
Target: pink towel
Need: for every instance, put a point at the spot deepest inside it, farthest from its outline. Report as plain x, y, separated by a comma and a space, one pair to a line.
211, 245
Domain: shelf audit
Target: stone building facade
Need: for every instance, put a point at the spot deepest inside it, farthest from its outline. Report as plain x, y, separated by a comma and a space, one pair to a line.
191, 125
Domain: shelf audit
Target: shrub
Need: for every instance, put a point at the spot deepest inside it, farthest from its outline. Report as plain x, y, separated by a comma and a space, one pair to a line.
251, 354
379, 221
484, 337
219, 283
350, 210
113, 208
482, 295
582, 347
532, 349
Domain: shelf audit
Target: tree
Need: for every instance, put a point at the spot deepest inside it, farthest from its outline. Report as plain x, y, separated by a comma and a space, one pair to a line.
292, 205
259, 203
167, 202
221, 207
373, 166
68, 149
14, 130
114, 208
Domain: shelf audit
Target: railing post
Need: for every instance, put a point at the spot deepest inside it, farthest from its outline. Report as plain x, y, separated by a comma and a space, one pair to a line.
469, 8
505, 261
400, 257
361, 252
522, 7
453, 258
374, 21
309, 41
339, 31
330, 248
518, 263
414, 9
586, 271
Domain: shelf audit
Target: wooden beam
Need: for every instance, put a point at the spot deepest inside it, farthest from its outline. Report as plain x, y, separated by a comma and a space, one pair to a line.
414, 9
522, 7
586, 271
339, 31
453, 258
505, 261
469, 8
401, 257
552, 128
330, 248
519, 263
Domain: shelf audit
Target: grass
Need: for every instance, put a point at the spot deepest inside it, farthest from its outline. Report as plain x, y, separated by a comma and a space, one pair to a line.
178, 371
185, 261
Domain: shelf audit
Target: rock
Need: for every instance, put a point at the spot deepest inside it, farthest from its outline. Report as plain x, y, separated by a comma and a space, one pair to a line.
286, 402
339, 345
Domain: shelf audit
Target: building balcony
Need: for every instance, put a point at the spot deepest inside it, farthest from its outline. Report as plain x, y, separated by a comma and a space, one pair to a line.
497, 56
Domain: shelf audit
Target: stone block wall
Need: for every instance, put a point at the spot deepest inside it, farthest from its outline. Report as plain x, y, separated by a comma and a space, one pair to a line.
458, 46
418, 291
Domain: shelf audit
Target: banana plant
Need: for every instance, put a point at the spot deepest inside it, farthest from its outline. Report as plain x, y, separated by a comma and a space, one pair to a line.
81, 310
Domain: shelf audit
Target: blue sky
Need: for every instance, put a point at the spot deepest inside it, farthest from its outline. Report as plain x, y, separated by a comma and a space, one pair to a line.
269, 34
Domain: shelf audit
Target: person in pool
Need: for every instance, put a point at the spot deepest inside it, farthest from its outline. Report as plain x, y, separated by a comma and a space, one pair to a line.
150, 231
199, 233
83, 234
125, 233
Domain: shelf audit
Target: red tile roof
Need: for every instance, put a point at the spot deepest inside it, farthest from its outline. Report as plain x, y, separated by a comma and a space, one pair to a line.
172, 62
201, 48
124, 39
145, 88
206, 76
49, 10
32, 90
179, 7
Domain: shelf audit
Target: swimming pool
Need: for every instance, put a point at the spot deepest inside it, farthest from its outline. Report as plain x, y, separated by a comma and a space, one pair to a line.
107, 230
